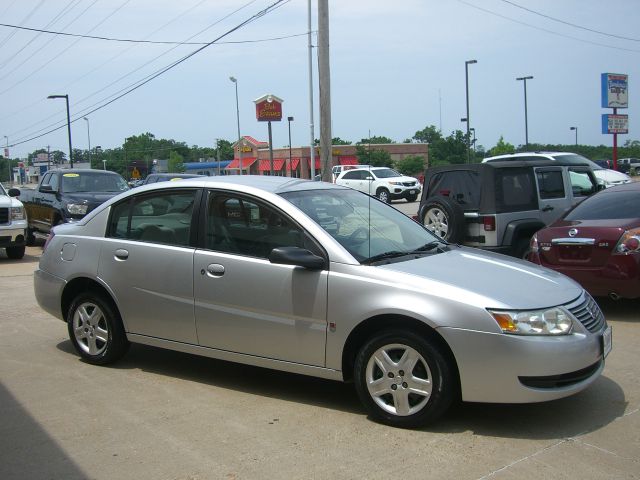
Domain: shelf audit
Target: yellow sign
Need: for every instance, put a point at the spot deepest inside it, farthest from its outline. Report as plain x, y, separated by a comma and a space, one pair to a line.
135, 173
70, 175
245, 149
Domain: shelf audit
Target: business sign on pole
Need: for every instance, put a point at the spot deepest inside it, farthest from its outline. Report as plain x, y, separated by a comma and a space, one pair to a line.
615, 90
6, 153
268, 108
615, 123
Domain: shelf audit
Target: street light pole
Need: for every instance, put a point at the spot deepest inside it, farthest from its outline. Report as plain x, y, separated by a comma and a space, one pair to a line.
235, 82
289, 120
6, 152
526, 124
466, 81
473, 130
576, 129
66, 97
88, 138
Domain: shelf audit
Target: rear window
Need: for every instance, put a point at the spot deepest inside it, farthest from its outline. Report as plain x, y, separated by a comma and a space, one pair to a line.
462, 186
515, 190
609, 205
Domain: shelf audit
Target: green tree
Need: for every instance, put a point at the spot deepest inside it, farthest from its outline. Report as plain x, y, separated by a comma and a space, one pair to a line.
373, 156
411, 165
502, 148
226, 150
375, 140
175, 163
429, 134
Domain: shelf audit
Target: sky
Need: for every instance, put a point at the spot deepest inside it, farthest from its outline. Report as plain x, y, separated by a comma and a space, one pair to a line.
396, 67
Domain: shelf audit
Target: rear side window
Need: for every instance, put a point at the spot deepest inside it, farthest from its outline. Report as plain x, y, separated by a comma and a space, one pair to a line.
515, 190
462, 186
550, 184
160, 217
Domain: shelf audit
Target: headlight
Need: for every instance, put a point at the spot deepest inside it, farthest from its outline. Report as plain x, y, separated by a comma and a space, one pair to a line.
554, 321
395, 183
76, 208
17, 213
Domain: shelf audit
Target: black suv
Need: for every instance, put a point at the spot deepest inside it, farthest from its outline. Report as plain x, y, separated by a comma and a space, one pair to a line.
499, 205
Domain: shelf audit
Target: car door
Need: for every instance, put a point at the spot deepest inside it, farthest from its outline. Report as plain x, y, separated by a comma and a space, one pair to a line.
147, 262
244, 303
356, 179
552, 193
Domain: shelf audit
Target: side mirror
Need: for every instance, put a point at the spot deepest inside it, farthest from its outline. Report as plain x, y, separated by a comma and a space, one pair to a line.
600, 187
46, 188
14, 192
296, 256
369, 178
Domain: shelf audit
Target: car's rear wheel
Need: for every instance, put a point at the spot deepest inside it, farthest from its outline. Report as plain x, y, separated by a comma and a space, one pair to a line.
445, 218
383, 195
15, 253
403, 379
95, 329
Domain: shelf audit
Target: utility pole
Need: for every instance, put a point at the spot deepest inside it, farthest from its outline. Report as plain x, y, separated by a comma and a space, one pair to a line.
324, 78
312, 147
48, 158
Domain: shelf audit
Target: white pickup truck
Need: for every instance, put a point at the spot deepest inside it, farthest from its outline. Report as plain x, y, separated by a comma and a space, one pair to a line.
13, 223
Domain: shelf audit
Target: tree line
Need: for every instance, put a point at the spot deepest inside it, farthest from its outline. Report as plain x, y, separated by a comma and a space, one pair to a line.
141, 150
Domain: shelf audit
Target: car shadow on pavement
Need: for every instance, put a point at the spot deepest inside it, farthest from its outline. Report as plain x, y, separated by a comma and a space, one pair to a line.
600, 404
26, 449
624, 310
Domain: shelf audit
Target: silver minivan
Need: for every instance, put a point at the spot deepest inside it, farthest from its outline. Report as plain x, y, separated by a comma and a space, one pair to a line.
317, 279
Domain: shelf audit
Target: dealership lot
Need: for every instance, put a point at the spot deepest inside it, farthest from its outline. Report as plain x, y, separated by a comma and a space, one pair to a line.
162, 414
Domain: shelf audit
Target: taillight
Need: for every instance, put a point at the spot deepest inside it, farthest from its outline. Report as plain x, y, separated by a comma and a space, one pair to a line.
533, 245
489, 224
49, 238
629, 242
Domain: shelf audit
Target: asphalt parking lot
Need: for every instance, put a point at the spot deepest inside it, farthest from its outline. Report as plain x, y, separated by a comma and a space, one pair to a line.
166, 415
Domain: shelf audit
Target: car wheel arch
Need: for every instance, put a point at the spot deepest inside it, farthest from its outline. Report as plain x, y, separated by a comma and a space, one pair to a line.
519, 229
371, 326
84, 284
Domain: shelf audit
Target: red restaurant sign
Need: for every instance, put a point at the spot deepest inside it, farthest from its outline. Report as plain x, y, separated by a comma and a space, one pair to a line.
268, 108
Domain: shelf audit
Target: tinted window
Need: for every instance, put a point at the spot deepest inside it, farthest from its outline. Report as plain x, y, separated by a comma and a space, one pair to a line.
515, 190
353, 175
73, 182
608, 205
385, 173
550, 184
463, 186
237, 224
161, 217
53, 181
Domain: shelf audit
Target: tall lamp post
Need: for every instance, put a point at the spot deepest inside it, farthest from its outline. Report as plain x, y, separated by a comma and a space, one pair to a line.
235, 82
466, 81
473, 131
6, 153
66, 97
576, 129
289, 120
526, 124
88, 138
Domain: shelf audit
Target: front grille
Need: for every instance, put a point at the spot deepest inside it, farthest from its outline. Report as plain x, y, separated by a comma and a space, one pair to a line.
563, 380
589, 314
409, 184
4, 215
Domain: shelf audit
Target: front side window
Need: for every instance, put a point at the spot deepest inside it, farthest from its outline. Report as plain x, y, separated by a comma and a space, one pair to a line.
385, 173
246, 226
161, 217
582, 183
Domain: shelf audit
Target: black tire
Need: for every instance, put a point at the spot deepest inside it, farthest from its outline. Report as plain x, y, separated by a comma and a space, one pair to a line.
383, 195
31, 239
445, 218
521, 248
15, 253
95, 329
412, 198
393, 404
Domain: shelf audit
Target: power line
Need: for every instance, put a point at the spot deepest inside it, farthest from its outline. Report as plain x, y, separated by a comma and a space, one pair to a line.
545, 29
274, 6
157, 42
571, 24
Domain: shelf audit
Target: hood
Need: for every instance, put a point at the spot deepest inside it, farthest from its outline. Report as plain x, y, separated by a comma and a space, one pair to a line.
504, 282
611, 176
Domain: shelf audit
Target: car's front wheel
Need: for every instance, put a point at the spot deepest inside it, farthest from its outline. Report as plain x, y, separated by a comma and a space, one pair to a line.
403, 379
383, 195
95, 329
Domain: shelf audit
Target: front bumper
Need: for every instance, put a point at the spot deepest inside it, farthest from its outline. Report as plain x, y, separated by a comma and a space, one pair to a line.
503, 368
15, 236
400, 191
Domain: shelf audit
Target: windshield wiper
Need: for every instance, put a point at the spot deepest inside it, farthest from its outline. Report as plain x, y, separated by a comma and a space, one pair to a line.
385, 256
427, 247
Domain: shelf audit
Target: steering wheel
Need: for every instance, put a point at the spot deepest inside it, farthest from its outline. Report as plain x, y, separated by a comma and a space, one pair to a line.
359, 235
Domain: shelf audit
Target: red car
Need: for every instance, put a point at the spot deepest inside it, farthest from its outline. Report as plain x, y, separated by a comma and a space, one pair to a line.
597, 243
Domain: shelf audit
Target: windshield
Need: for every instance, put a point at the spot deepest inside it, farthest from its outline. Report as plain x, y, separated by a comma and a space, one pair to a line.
386, 173
2, 190
92, 182
367, 228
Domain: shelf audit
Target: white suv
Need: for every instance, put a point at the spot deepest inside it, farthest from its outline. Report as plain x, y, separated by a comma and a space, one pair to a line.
13, 223
382, 182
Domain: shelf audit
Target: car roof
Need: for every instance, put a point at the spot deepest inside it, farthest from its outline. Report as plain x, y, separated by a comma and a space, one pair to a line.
497, 164
82, 170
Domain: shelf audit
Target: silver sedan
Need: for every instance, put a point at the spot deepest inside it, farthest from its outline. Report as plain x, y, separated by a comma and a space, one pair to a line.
318, 279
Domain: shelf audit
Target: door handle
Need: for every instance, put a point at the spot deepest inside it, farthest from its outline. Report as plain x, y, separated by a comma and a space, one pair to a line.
547, 208
214, 270
121, 254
